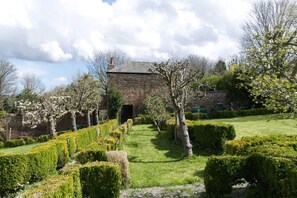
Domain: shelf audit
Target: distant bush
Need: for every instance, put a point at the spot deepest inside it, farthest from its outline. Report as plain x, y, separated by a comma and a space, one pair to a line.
100, 179
240, 113
196, 116
14, 143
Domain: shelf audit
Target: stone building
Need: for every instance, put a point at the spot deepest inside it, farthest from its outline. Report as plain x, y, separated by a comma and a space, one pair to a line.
135, 81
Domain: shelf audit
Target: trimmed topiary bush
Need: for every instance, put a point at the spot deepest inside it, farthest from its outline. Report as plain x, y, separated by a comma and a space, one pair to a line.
13, 172
42, 161
196, 116
73, 171
62, 151
221, 173
100, 179
58, 186
121, 158
95, 152
14, 143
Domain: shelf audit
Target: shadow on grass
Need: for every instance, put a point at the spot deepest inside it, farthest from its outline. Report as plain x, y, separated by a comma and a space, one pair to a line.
135, 159
199, 173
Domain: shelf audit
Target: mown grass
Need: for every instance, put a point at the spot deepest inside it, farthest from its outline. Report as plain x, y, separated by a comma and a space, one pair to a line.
19, 149
262, 125
156, 160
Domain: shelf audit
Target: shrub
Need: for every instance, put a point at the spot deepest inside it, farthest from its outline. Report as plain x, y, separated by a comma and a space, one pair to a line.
42, 161
62, 151
210, 137
13, 172
94, 152
14, 143
235, 147
145, 119
2, 144
137, 120
269, 174
129, 124
71, 142
121, 158
196, 116
73, 171
100, 179
221, 173
109, 142
43, 138
224, 114
29, 140
240, 113
58, 186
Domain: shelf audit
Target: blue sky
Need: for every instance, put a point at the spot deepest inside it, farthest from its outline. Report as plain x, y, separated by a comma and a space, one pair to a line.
53, 39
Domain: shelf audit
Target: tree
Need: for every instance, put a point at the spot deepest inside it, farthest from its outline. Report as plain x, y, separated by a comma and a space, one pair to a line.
85, 95
220, 68
8, 77
270, 48
98, 65
115, 102
155, 106
177, 76
32, 83
48, 108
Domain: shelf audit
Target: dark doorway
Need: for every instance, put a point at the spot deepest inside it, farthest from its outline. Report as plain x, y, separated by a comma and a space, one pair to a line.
126, 113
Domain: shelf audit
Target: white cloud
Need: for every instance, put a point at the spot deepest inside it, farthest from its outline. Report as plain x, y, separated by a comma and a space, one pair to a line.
56, 30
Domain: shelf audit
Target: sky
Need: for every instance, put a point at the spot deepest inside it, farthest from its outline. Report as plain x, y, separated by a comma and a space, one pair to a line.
53, 39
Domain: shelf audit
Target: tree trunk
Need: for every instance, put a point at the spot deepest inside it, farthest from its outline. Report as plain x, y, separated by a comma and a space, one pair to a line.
89, 118
158, 128
73, 119
185, 134
175, 127
97, 116
52, 126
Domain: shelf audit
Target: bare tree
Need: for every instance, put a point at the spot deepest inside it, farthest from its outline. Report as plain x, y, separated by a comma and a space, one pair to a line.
177, 76
200, 62
98, 66
8, 77
33, 83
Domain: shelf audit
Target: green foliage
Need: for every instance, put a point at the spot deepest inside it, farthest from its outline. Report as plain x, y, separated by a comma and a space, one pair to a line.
73, 171
14, 143
42, 161
100, 179
13, 171
59, 187
62, 151
196, 116
145, 119
115, 102
221, 173
43, 138
207, 136
95, 152
240, 113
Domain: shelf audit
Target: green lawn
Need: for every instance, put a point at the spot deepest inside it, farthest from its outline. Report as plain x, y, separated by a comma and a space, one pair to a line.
262, 125
19, 149
155, 160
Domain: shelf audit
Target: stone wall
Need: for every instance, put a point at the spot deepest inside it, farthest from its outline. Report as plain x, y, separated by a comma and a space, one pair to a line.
135, 87
210, 99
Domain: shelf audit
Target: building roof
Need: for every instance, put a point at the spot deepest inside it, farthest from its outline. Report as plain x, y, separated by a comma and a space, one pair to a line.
133, 67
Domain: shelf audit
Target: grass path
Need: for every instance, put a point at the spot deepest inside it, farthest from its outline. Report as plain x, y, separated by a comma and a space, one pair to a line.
156, 160
262, 125
19, 149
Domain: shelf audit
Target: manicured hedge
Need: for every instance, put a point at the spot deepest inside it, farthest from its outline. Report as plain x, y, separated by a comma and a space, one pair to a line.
267, 176
14, 143
222, 172
24, 141
100, 179
13, 172
59, 187
207, 136
240, 113
95, 152
42, 161
196, 116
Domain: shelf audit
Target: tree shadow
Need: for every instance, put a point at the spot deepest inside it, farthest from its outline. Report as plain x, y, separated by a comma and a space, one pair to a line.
199, 173
135, 159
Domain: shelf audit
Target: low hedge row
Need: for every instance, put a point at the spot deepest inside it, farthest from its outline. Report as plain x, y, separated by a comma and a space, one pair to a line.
42, 161
24, 141
240, 113
207, 136
97, 179
274, 145
267, 176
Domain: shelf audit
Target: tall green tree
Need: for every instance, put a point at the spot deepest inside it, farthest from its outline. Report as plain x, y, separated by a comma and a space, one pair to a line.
115, 102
